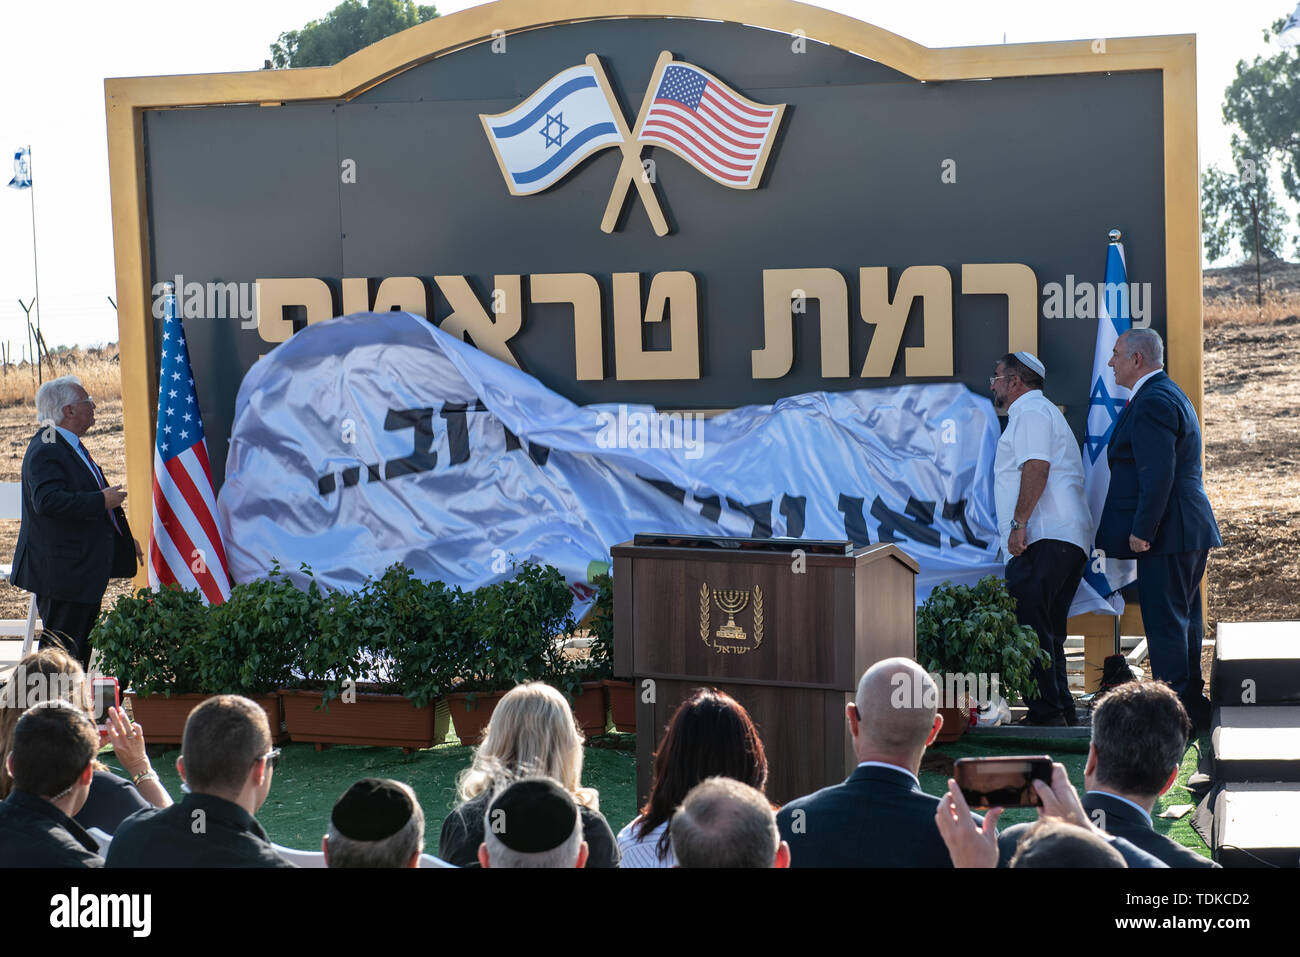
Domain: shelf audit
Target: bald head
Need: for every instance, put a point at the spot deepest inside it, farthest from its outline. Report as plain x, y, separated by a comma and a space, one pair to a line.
896, 707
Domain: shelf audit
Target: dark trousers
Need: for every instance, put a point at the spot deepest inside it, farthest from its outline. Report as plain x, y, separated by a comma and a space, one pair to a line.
1043, 580
67, 625
1169, 591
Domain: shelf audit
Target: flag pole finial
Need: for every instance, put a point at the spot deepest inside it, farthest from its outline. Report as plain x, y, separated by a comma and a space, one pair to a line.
1114, 235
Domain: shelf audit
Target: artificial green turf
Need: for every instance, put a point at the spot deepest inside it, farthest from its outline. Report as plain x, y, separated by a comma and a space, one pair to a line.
308, 782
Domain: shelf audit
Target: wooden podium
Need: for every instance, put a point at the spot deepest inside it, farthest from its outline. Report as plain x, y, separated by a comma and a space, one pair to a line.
786, 633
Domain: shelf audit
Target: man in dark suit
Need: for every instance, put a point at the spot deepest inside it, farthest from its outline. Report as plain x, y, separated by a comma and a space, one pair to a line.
879, 817
1156, 511
74, 534
227, 762
1139, 735
51, 762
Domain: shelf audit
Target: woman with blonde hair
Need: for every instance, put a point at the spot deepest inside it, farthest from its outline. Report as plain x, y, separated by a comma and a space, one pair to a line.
52, 673
532, 731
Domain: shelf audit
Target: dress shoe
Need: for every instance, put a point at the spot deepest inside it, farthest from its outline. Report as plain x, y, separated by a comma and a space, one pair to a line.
1053, 721
1071, 716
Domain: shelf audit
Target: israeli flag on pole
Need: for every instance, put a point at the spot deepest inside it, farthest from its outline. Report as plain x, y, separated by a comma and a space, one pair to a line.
1290, 34
552, 131
1106, 401
22, 170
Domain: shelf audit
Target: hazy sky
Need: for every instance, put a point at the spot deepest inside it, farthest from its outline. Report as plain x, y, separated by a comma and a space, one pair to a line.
54, 57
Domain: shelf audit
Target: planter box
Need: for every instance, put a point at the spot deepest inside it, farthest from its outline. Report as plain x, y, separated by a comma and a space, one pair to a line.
589, 708
955, 723
379, 720
163, 718
469, 719
622, 704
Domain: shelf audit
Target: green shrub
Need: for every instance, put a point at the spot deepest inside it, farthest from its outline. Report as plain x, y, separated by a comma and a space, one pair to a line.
149, 641
962, 630
511, 634
601, 629
254, 638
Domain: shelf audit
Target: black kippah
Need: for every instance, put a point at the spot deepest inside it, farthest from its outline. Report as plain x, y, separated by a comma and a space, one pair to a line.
533, 816
372, 810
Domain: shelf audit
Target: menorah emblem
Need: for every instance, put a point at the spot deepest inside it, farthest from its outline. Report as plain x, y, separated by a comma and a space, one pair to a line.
731, 601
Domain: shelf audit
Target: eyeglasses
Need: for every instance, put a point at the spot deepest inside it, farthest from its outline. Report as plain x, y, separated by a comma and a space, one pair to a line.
995, 378
272, 757
86, 401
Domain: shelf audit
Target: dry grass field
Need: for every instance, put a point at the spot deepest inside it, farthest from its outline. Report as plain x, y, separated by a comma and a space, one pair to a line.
1251, 424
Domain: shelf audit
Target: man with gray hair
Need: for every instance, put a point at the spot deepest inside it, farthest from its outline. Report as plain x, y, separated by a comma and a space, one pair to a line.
879, 817
725, 823
533, 822
1157, 512
74, 534
376, 823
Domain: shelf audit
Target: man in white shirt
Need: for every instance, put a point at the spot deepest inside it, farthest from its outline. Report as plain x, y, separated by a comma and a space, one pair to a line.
1044, 521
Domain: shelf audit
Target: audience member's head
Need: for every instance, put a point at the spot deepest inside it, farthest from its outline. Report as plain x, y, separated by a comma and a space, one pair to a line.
1140, 732
710, 735
532, 822
724, 823
376, 823
54, 745
895, 714
226, 751
532, 731
45, 675
1053, 842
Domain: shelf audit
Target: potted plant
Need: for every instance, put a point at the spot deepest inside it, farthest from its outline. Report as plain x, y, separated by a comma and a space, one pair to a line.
253, 638
965, 630
379, 663
510, 639
148, 642
622, 698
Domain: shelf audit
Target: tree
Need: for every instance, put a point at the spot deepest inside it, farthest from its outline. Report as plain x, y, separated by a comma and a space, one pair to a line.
346, 29
1226, 212
1263, 103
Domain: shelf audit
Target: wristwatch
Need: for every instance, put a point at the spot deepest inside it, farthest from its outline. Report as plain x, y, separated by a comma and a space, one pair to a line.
1015, 525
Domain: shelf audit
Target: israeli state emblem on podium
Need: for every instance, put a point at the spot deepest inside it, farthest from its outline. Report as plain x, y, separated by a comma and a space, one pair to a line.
730, 638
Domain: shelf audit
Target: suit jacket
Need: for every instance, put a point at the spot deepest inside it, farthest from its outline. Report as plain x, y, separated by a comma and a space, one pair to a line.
35, 833
1134, 856
1122, 820
168, 837
879, 817
1155, 488
67, 546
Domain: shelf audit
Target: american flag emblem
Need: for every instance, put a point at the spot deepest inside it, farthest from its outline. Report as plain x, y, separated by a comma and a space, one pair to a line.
184, 543
724, 135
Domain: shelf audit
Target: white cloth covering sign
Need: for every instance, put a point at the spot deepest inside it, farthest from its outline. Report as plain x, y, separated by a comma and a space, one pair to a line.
377, 438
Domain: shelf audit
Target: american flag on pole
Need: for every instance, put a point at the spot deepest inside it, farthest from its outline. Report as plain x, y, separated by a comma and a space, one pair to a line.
184, 543
721, 133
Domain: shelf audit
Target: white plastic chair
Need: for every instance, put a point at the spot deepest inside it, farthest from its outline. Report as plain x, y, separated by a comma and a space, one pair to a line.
11, 507
317, 858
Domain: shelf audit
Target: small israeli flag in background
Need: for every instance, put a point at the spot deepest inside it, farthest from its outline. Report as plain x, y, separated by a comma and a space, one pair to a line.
22, 170
552, 131
1290, 35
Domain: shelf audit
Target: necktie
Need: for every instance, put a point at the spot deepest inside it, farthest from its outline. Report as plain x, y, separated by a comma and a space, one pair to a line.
99, 477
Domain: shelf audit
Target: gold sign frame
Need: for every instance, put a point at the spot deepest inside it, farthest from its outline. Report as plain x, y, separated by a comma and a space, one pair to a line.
127, 99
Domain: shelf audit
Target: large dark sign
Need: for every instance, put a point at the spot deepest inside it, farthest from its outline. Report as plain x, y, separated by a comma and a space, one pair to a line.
694, 214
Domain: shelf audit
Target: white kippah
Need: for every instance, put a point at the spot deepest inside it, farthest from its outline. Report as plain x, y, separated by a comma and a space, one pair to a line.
1031, 361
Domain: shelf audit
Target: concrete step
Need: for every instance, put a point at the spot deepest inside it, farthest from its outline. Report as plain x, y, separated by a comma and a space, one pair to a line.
1256, 663
1257, 825
1257, 744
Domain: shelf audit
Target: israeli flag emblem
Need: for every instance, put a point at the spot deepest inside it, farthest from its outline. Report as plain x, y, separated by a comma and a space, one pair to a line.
22, 170
541, 140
